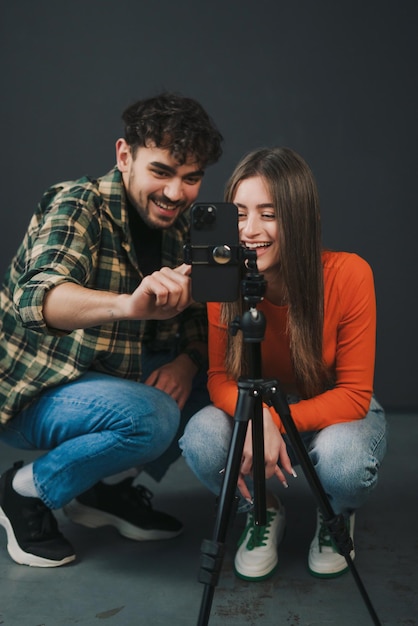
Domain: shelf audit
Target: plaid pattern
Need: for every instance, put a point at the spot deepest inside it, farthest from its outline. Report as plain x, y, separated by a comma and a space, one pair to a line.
79, 233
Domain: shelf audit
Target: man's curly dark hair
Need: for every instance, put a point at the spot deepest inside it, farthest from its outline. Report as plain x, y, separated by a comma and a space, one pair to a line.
174, 122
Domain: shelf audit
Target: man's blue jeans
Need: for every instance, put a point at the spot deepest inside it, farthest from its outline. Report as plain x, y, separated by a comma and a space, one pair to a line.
98, 426
92, 428
346, 456
198, 399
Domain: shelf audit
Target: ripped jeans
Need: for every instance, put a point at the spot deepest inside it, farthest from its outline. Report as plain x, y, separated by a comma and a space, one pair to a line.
346, 456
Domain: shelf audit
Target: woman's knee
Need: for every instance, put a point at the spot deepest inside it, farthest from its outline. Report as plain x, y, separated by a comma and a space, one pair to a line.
207, 434
346, 460
331, 451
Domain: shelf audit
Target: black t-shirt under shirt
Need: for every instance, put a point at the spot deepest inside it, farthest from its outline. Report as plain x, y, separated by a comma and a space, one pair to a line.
147, 242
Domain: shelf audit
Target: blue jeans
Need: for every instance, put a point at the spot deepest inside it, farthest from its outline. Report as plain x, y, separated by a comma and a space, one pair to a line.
101, 425
199, 398
346, 456
94, 427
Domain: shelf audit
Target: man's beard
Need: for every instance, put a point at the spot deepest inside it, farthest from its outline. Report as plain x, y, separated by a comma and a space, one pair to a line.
162, 221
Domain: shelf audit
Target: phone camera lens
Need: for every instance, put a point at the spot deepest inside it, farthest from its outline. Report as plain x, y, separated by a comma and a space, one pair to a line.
210, 215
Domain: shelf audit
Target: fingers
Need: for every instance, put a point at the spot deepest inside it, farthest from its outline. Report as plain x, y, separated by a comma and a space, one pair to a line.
246, 464
271, 469
243, 489
152, 379
184, 269
171, 288
285, 461
279, 474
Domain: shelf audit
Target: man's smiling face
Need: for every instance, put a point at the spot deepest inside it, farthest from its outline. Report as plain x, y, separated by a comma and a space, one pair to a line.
157, 186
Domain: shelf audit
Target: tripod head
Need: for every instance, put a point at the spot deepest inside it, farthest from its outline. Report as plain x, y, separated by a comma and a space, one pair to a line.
253, 287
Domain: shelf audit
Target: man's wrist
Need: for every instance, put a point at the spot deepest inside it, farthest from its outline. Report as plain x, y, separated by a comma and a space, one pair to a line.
197, 358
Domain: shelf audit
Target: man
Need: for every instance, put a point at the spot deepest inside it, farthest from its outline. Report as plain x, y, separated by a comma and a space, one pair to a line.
100, 344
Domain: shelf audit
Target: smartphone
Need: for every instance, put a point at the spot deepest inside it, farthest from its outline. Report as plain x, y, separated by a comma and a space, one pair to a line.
214, 252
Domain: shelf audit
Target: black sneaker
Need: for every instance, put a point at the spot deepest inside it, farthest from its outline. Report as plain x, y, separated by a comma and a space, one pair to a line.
32, 531
127, 508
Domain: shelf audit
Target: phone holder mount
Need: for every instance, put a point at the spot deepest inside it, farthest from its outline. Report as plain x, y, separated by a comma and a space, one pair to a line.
212, 255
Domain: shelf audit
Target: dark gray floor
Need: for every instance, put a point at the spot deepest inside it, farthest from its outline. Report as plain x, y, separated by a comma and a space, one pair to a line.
117, 582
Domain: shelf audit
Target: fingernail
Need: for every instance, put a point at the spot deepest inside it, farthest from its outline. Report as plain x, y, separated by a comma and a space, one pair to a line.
294, 473
222, 471
284, 483
249, 500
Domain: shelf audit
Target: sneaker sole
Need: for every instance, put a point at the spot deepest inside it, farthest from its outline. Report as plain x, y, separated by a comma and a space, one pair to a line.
92, 518
331, 574
26, 558
328, 575
256, 578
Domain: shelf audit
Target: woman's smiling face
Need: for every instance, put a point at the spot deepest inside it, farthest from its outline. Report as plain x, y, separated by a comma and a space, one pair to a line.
257, 222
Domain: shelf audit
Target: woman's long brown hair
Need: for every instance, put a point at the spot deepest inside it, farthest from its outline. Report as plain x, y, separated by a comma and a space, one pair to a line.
295, 197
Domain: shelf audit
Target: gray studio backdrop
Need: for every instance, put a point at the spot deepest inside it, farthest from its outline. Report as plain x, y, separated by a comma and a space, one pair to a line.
336, 81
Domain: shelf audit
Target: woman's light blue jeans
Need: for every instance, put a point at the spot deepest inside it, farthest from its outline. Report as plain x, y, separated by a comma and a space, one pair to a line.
345, 456
94, 427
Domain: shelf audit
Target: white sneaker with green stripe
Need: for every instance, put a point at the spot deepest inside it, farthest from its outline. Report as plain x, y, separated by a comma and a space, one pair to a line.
256, 557
324, 560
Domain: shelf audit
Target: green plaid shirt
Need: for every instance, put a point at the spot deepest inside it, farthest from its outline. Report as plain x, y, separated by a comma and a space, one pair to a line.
80, 233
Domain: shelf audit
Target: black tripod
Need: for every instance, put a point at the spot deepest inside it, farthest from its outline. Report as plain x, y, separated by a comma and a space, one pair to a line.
251, 393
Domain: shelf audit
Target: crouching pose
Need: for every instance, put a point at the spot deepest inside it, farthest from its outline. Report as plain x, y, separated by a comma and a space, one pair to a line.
319, 343
100, 342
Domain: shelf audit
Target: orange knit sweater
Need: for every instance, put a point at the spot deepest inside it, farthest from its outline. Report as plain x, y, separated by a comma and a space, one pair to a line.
348, 348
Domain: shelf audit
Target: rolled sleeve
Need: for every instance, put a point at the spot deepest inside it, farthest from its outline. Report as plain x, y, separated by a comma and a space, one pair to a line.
61, 247
29, 301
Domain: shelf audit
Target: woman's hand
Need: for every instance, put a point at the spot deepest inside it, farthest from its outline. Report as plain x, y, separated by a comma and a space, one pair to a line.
274, 452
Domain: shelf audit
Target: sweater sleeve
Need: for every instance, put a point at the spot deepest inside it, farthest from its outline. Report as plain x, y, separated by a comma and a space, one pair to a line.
223, 391
349, 348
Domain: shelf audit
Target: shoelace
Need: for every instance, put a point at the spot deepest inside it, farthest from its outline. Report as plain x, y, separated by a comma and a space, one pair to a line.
41, 523
324, 537
258, 534
141, 495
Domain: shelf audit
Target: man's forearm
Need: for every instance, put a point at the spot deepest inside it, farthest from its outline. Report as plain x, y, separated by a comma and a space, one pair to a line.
69, 306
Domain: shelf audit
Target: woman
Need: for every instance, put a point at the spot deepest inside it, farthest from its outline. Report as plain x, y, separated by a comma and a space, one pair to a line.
319, 343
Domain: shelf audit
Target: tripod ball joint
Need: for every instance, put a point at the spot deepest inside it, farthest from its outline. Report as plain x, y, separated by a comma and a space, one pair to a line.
252, 324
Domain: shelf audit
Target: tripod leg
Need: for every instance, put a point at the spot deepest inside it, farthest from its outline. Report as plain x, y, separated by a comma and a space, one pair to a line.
212, 552
259, 469
282, 408
336, 524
